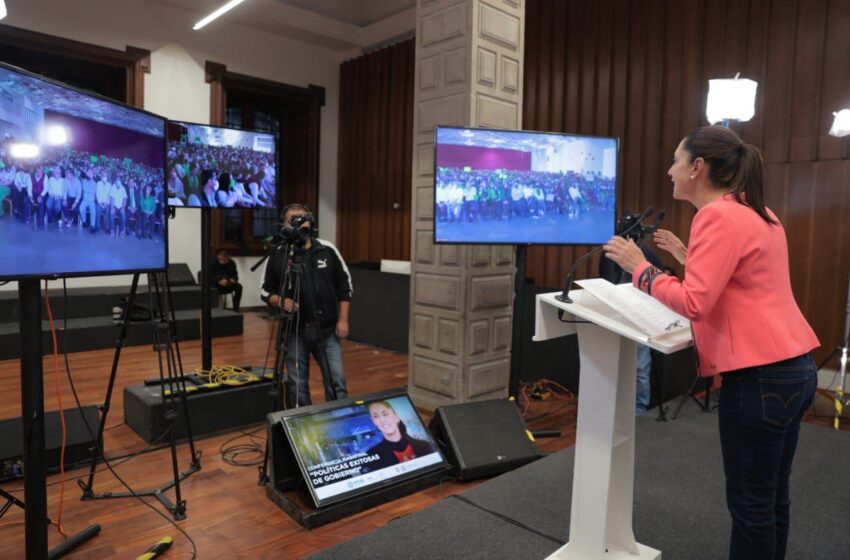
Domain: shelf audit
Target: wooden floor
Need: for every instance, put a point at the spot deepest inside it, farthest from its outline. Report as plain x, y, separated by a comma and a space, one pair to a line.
228, 514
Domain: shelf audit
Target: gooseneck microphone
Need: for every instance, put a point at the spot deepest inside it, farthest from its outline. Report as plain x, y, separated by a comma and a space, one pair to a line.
565, 297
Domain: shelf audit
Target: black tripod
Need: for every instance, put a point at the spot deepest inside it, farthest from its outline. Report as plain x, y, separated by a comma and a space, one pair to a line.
705, 405
173, 385
287, 322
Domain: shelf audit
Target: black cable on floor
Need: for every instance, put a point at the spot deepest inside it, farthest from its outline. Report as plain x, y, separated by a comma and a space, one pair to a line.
94, 437
508, 519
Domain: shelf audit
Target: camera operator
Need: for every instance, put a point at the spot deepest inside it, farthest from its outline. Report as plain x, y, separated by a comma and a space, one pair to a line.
612, 272
320, 306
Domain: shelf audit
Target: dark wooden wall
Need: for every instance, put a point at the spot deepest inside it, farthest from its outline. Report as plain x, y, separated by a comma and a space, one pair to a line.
375, 154
639, 70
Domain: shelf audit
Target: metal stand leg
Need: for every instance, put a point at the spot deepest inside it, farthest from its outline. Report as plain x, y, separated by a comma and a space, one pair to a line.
704, 406
173, 386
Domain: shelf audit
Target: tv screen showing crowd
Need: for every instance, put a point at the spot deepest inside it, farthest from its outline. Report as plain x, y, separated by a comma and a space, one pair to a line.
218, 167
81, 182
516, 187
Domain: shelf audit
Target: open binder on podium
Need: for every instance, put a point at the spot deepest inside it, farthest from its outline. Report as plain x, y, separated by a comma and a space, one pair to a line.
642, 310
609, 320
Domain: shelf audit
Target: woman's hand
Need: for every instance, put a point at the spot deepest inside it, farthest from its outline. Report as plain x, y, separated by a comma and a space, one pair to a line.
672, 244
625, 253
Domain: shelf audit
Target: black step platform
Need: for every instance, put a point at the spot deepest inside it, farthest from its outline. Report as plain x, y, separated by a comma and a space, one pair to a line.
95, 333
98, 302
210, 411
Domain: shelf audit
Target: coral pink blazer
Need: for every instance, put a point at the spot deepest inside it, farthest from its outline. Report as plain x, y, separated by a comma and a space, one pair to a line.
736, 291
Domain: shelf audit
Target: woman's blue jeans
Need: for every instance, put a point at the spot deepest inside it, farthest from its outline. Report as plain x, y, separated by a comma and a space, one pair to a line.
760, 413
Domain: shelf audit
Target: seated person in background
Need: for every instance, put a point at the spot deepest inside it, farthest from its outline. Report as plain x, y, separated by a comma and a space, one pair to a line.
7, 184
396, 446
73, 195
88, 205
225, 277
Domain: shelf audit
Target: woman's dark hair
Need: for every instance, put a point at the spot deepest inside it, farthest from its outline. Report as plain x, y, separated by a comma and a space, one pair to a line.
224, 182
401, 427
206, 175
732, 163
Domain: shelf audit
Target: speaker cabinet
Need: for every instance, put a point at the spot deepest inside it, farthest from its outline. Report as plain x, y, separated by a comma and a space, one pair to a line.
483, 438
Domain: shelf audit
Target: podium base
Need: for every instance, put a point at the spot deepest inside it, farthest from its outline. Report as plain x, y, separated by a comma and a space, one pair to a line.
572, 553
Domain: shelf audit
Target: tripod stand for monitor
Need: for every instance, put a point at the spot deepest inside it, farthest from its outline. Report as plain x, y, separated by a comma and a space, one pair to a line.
173, 386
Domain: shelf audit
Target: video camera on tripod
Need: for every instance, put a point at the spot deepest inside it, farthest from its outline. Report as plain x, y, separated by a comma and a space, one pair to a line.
635, 228
294, 233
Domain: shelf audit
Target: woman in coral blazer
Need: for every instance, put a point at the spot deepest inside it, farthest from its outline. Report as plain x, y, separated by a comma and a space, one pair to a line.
747, 327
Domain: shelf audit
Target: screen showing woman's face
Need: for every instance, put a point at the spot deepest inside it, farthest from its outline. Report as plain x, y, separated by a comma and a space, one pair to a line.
385, 419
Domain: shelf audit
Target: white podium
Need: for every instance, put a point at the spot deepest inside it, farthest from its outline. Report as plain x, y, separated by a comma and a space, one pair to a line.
603, 479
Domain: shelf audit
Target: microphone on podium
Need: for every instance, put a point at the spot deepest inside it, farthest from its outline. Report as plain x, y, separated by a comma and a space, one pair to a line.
565, 297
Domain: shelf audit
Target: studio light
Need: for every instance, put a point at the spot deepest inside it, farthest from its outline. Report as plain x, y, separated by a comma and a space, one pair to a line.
841, 124
57, 135
3, 12
24, 151
218, 13
731, 100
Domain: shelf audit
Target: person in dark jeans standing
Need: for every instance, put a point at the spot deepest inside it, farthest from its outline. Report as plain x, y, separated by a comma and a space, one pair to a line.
746, 324
225, 277
319, 306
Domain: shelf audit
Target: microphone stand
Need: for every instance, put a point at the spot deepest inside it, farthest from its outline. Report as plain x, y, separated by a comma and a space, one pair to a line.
565, 297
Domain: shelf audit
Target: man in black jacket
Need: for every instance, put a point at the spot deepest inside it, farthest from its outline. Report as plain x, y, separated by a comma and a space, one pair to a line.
225, 278
319, 298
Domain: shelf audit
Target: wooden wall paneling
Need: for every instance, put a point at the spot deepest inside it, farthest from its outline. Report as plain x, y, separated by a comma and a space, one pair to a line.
531, 75
589, 25
806, 90
557, 78
779, 80
653, 114
800, 220
673, 101
827, 269
394, 143
756, 67
735, 38
376, 209
692, 90
410, 69
604, 67
835, 93
376, 139
343, 156
632, 144
572, 66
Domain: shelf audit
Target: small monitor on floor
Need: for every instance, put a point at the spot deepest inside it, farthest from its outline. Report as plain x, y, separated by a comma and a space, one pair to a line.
357, 445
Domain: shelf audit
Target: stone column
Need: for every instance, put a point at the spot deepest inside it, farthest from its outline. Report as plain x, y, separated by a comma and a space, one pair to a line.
469, 58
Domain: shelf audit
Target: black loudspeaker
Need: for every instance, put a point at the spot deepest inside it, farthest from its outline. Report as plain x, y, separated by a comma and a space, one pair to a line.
79, 444
483, 438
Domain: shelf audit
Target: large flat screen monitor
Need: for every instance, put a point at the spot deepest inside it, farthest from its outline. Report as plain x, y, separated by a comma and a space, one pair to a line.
350, 447
81, 182
523, 188
215, 167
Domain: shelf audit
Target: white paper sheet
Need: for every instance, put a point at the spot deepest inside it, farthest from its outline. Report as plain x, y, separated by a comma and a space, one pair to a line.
645, 312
